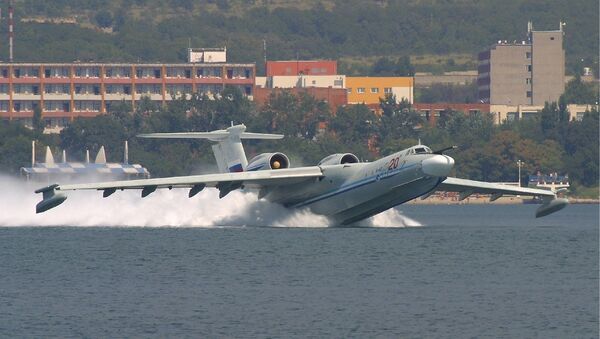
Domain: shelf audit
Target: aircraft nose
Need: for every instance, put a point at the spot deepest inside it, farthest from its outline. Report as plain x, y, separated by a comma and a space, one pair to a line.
437, 165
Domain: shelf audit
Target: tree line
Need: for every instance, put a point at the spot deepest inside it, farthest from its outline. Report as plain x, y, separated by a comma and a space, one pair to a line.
548, 143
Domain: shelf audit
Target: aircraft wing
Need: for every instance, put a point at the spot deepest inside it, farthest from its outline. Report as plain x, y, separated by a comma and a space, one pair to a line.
466, 187
225, 182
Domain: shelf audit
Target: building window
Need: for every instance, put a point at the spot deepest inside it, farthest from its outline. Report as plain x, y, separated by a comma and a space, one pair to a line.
528, 81
360, 90
529, 94
349, 90
528, 68
338, 83
551, 38
387, 90
528, 55
374, 90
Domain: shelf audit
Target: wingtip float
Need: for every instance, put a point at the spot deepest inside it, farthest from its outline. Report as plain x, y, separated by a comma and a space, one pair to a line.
50, 198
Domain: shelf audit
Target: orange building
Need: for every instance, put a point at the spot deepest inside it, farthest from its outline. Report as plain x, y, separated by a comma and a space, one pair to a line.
368, 90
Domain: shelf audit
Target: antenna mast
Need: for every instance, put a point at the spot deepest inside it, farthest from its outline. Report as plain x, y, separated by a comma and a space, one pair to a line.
10, 31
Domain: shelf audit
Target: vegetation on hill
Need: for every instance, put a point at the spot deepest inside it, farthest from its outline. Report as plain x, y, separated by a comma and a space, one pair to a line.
160, 30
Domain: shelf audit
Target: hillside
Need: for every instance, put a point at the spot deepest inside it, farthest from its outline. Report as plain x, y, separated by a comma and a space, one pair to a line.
160, 30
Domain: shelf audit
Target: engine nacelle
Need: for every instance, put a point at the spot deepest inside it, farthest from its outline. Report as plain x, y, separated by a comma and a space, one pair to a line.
339, 159
268, 161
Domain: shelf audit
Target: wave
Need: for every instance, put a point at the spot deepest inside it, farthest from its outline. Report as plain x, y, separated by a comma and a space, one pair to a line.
164, 208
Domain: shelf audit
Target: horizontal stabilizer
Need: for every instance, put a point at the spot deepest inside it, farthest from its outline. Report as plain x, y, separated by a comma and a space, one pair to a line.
213, 136
234, 132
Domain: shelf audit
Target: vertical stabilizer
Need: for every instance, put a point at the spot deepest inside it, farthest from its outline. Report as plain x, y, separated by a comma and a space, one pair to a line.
49, 157
101, 156
219, 157
232, 151
228, 149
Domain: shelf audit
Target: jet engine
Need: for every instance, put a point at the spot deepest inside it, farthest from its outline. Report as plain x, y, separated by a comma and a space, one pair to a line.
339, 159
268, 161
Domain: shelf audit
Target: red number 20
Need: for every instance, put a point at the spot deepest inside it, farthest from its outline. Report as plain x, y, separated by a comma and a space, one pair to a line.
393, 163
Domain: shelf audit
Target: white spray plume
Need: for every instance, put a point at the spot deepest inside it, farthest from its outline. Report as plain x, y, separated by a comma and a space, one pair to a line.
163, 208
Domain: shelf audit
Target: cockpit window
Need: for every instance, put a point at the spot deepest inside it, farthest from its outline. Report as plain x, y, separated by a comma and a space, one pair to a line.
421, 150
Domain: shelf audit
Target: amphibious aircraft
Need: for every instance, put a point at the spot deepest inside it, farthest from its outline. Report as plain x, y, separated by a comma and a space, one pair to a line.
339, 186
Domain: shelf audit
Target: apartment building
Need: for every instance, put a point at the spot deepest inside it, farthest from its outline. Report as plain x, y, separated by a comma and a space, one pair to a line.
64, 91
528, 72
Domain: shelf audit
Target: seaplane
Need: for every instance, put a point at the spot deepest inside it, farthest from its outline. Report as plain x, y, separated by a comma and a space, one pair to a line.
339, 187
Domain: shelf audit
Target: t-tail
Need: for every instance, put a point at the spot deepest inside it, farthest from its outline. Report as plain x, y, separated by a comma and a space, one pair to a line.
228, 148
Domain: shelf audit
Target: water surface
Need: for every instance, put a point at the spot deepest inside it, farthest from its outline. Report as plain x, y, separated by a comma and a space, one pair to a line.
470, 271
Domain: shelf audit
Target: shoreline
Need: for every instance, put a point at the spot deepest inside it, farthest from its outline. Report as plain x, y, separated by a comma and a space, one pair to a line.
485, 200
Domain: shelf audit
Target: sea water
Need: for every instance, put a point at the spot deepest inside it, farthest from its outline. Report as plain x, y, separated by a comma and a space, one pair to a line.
464, 271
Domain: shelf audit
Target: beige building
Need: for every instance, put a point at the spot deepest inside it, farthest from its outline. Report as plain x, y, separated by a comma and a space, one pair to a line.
424, 79
302, 81
529, 72
503, 113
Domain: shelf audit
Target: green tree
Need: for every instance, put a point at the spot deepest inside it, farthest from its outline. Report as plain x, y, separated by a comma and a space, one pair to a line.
15, 147
398, 119
382, 67
104, 18
37, 121
578, 92
581, 148
91, 133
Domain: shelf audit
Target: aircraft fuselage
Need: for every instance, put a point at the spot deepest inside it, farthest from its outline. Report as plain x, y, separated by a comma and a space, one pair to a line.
351, 192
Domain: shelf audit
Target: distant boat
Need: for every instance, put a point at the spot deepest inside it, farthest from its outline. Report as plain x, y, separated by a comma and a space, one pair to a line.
552, 182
